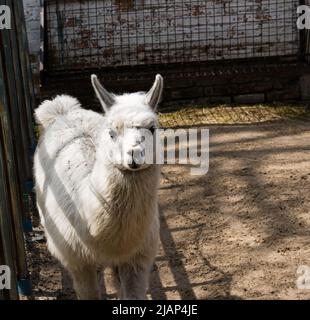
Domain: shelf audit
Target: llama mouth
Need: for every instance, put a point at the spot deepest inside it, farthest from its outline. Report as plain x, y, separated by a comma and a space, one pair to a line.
134, 166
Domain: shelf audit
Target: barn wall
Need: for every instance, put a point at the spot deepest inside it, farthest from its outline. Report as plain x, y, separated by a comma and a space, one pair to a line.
106, 33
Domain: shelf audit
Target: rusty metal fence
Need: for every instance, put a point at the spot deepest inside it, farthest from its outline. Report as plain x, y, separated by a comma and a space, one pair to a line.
98, 34
16, 144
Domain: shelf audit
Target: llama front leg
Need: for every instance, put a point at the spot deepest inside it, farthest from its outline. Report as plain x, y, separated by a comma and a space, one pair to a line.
86, 282
133, 281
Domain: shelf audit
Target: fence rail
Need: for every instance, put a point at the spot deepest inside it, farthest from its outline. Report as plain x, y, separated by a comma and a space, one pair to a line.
16, 144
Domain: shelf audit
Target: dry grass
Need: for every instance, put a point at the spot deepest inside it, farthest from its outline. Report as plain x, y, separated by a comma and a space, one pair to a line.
238, 114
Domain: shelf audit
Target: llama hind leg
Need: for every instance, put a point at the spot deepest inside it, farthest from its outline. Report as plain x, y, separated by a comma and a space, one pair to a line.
133, 281
86, 282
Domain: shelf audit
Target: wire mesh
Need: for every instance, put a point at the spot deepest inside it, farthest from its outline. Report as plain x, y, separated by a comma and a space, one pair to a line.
98, 34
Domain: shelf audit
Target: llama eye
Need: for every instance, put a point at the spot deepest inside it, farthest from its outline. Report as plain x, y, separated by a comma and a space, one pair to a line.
152, 129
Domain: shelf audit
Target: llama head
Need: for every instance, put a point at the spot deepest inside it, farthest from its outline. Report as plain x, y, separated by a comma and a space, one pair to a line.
131, 120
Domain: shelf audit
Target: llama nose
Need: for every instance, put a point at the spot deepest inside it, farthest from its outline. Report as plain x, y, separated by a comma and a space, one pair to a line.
134, 165
137, 157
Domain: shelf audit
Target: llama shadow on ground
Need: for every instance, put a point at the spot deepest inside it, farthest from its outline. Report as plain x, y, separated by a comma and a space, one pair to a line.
171, 279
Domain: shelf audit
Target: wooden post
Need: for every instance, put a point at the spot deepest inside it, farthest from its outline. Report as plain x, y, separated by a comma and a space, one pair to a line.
25, 68
16, 138
6, 230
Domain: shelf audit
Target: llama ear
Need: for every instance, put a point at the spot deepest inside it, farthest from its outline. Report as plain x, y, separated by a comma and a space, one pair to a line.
154, 95
106, 99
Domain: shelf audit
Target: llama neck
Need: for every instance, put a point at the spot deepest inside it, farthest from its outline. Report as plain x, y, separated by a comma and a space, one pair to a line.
112, 182
130, 197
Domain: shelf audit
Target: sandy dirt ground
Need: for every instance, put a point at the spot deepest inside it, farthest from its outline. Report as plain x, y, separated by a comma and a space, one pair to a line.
238, 232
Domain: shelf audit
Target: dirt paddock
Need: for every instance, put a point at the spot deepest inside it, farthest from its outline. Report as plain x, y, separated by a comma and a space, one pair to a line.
238, 232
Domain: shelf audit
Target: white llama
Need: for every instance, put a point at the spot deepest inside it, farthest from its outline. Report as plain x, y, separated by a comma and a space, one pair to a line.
97, 211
